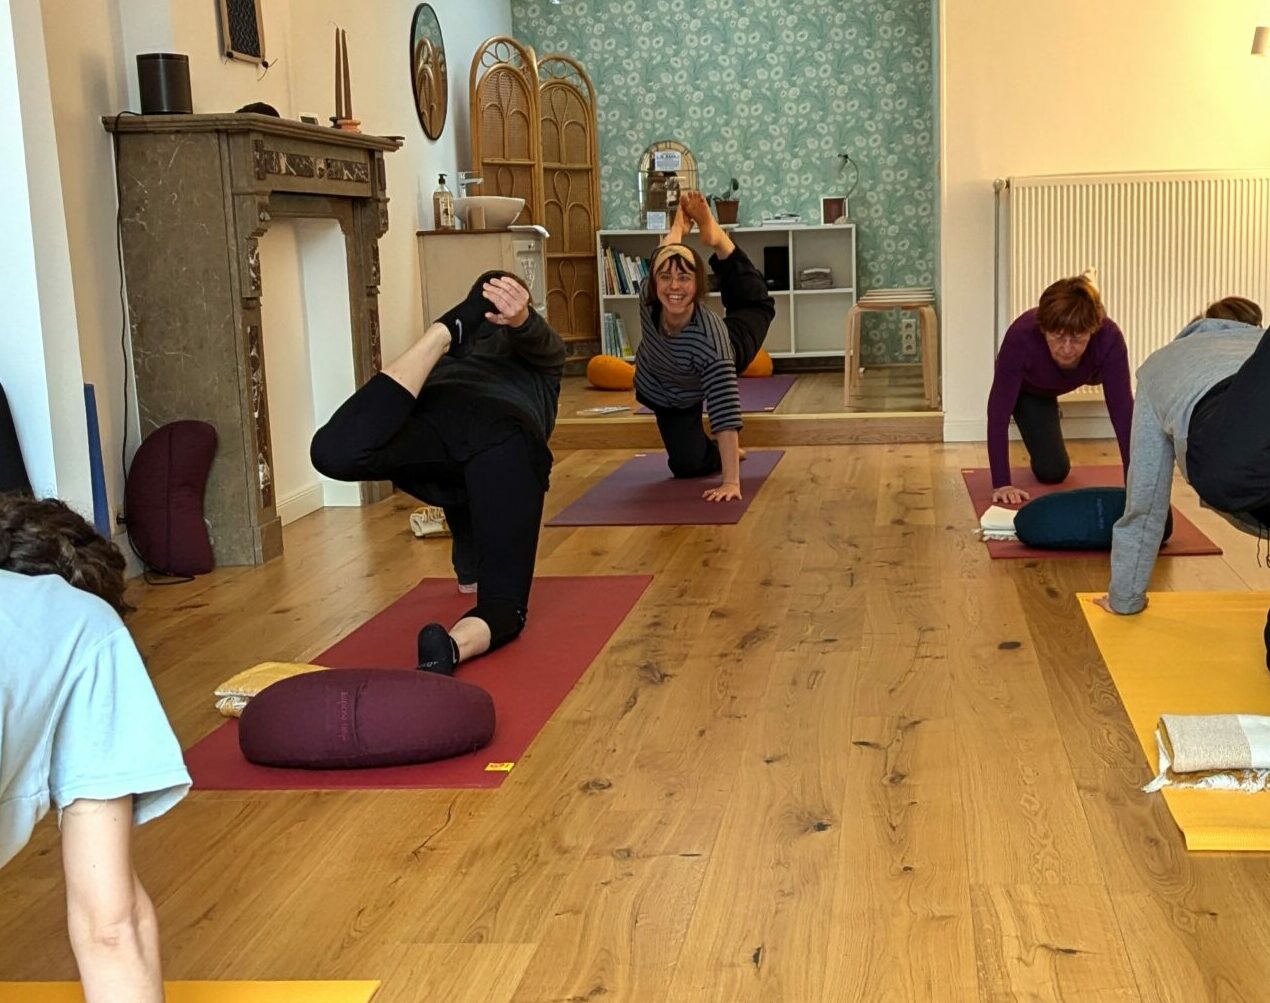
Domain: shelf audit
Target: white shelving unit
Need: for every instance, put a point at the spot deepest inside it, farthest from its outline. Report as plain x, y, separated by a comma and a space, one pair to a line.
809, 322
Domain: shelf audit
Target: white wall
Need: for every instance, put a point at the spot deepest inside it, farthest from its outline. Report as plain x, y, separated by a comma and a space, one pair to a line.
1075, 86
91, 51
39, 358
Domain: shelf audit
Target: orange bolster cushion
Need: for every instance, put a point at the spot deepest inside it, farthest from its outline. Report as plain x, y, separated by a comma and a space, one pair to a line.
608, 372
761, 365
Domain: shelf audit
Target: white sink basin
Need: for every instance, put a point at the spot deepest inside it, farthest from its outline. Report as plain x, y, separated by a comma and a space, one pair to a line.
499, 211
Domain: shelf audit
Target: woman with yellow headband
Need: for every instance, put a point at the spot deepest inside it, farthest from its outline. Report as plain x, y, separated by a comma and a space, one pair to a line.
688, 353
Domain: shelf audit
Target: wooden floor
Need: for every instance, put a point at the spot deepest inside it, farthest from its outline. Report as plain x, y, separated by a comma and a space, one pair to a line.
883, 388
835, 753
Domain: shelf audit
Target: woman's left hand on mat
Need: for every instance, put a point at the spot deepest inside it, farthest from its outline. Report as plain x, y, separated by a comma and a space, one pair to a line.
724, 492
511, 300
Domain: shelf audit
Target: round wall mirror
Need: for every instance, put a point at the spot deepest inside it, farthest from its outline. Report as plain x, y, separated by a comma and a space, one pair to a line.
427, 70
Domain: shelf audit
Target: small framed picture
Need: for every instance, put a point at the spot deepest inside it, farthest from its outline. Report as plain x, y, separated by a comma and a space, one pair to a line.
667, 160
833, 209
656, 221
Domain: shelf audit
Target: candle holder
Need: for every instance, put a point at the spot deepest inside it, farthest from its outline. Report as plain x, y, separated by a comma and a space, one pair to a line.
343, 117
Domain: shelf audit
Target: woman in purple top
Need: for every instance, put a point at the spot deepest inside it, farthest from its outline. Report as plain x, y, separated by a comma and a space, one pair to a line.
1066, 342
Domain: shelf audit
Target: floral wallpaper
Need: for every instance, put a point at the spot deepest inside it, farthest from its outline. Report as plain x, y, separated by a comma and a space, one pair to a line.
770, 92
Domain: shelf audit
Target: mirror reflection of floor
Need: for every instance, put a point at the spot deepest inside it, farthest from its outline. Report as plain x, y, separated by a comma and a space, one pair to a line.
883, 388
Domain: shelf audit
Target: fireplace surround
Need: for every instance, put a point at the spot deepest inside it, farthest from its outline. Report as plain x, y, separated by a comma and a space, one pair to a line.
197, 192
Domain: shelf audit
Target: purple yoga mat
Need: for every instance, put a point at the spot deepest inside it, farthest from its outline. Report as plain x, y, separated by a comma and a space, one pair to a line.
758, 393
641, 492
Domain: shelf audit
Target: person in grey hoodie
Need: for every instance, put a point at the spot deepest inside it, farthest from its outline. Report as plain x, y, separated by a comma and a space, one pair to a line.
1203, 401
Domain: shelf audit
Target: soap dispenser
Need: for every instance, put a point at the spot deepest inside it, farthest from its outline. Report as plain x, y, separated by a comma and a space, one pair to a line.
443, 206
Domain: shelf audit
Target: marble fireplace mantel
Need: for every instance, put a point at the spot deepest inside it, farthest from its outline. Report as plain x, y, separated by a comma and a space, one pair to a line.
197, 192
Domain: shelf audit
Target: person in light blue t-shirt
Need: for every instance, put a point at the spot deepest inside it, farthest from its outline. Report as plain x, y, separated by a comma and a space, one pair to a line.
81, 728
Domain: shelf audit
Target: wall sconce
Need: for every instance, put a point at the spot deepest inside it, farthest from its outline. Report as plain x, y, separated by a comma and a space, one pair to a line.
1261, 41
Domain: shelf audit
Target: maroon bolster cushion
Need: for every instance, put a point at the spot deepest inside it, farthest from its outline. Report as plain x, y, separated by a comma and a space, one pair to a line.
163, 498
344, 719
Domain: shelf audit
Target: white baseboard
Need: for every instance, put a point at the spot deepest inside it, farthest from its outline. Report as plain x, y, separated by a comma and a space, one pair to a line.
300, 503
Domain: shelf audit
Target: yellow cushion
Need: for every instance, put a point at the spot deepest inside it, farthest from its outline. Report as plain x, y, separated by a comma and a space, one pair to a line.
608, 372
232, 695
761, 365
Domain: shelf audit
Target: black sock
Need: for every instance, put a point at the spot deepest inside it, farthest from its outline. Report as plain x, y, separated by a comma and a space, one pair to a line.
437, 650
465, 319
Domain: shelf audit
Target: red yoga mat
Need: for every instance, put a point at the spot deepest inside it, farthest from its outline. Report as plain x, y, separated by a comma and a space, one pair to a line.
758, 393
570, 621
1186, 541
641, 492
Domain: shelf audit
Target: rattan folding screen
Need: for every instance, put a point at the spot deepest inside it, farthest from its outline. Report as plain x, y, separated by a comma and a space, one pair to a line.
534, 137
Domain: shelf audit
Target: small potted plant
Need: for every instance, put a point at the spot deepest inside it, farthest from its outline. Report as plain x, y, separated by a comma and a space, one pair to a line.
725, 204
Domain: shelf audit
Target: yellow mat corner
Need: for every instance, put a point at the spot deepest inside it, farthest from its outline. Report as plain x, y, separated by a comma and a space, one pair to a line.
206, 992
1193, 653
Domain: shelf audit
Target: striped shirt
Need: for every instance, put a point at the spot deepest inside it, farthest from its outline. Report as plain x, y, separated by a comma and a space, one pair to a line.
681, 370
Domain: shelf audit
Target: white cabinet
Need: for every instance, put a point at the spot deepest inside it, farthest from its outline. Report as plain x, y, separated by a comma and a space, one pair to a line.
451, 260
809, 322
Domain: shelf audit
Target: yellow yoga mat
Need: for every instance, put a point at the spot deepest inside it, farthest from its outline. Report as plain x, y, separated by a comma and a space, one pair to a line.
1193, 653
206, 992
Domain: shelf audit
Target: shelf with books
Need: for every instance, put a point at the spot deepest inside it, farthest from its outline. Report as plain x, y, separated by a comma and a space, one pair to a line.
809, 322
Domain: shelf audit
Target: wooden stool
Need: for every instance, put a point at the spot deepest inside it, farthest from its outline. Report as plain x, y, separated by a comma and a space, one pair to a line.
920, 300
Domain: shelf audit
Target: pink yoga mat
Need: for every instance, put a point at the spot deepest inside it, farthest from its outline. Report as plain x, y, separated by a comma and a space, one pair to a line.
570, 621
1186, 541
641, 492
758, 393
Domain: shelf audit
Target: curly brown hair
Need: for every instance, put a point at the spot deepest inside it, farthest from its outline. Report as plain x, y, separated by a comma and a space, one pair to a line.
48, 537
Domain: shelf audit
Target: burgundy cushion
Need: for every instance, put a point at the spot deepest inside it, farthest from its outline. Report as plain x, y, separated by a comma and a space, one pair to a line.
348, 718
163, 499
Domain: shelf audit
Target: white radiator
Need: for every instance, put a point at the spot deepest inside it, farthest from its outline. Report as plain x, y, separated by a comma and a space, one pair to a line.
1164, 245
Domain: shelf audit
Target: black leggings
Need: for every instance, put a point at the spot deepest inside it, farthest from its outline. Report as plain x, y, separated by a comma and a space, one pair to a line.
1038, 422
1228, 441
689, 451
377, 434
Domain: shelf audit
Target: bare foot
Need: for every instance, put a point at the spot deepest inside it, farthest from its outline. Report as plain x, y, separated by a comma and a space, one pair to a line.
693, 205
742, 453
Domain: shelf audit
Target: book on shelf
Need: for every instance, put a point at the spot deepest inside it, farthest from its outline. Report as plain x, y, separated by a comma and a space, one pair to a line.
623, 273
623, 343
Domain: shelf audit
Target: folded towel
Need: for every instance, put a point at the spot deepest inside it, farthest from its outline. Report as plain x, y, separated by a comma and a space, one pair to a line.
234, 692
429, 521
1213, 751
997, 523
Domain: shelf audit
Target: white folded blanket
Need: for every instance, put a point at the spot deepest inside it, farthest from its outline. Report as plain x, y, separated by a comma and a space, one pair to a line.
429, 520
1213, 751
997, 524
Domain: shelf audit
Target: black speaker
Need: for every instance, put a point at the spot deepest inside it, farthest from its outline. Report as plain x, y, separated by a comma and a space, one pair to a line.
776, 267
165, 83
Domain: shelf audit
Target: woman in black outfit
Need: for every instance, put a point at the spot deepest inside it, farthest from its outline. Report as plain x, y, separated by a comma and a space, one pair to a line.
462, 419
687, 353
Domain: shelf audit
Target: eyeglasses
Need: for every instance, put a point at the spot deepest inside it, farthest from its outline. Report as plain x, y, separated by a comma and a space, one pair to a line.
1075, 340
668, 277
